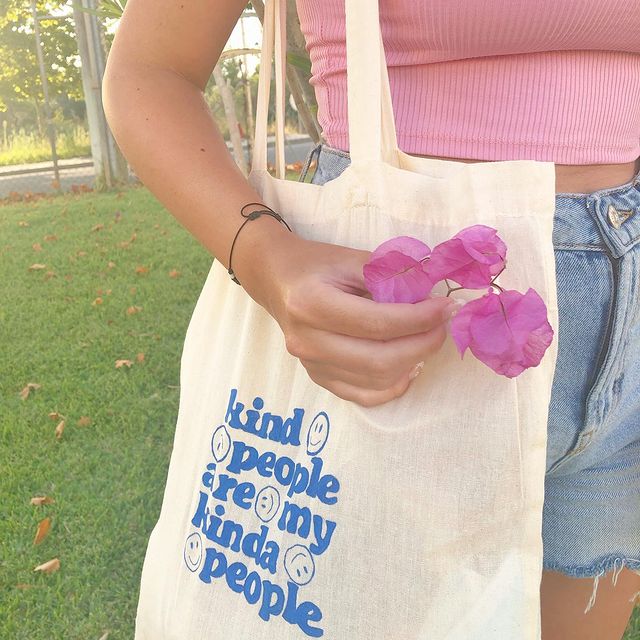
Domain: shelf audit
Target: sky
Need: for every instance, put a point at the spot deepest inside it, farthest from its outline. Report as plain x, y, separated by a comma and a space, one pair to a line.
253, 37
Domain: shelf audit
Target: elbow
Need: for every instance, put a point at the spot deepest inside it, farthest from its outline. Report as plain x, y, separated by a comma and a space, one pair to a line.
114, 94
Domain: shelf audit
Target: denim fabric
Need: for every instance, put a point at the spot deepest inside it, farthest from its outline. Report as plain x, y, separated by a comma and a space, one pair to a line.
591, 517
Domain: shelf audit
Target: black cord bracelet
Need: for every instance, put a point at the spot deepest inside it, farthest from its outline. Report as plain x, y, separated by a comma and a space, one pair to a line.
253, 215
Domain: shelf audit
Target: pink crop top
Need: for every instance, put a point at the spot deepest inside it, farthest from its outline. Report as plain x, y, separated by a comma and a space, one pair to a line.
552, 80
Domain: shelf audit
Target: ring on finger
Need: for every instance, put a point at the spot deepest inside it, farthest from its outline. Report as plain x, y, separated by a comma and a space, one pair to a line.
417, 370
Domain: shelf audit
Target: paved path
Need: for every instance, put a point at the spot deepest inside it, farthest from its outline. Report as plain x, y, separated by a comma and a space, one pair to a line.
38, 177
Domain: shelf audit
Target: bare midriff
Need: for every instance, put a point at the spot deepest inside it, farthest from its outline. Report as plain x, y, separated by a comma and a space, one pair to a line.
583, 178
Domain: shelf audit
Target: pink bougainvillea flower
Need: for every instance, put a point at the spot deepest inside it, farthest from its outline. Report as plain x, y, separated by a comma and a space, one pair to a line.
508, 331
471, 258
411, 247
395, 271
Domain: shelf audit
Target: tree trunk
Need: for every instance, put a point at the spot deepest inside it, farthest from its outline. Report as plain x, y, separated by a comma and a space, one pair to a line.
232, 119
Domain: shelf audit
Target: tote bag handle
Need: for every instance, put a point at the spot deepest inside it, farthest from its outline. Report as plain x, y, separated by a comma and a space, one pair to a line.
274, 20
372, 133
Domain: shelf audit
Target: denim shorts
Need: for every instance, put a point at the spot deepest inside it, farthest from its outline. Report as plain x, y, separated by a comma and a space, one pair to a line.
591, 517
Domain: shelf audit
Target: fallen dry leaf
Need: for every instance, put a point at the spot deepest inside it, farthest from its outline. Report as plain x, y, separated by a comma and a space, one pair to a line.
59, 429
37, 266
104, 636
49, 275
111, 264
43, 528
31, 386
122, 363
126, 243
140, 357
49, 567
133, 309
142, 269
54, 415
97, 227
50, 237
38, 500
173, 273
96, 302
84, 421
36, 246
23, 223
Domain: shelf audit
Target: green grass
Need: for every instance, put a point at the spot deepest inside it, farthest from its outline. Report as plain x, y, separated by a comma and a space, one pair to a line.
23, 148
107, 478
633, 630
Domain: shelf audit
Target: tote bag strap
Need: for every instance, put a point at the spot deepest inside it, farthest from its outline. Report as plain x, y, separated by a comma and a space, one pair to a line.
372, 130
372, 133
273, 32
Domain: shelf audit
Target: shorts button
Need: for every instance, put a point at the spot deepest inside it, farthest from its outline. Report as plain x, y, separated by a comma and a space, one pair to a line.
617, 217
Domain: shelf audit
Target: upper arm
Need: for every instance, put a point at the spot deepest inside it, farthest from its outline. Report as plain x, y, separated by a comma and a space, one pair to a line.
186, 36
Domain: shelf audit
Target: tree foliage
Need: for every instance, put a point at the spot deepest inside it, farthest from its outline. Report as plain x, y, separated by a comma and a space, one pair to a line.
20, 85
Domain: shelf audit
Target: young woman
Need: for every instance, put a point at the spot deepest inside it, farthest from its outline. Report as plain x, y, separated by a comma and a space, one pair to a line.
554, 80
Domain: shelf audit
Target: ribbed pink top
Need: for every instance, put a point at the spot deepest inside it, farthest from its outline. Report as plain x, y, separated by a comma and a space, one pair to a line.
552, 80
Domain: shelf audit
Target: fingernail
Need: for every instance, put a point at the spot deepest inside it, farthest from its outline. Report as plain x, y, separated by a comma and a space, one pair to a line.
417, 370
451, 309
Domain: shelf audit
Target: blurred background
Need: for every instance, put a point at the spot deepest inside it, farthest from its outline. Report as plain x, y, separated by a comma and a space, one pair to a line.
54, 136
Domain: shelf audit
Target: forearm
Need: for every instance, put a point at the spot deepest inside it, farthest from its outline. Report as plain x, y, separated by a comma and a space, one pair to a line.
165, 130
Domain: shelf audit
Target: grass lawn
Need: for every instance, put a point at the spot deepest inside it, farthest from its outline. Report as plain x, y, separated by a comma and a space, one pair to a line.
120, 278
23, 148
114, 295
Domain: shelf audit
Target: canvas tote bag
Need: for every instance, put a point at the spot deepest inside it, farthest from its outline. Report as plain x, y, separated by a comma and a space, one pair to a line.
291, 513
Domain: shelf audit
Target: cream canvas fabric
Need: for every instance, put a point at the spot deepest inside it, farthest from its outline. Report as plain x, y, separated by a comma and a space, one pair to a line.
290, 513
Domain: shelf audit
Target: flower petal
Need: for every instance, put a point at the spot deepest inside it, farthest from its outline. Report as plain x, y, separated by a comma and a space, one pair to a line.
509, 332
411, 247
396, 277
471, 258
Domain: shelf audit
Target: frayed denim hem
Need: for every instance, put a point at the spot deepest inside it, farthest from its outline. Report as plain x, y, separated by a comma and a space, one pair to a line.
597, 571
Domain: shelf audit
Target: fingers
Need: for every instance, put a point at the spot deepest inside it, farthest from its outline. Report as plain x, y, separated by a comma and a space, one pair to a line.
367, 397
370, 363
357, 316
365, 371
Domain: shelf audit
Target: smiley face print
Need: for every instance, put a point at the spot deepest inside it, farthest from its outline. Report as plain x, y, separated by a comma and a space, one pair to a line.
267, 503
299, 564
318, 434
220, 443
193, 551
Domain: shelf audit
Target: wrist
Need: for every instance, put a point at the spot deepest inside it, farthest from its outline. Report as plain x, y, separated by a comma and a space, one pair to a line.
255, 256
250, 215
